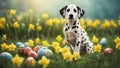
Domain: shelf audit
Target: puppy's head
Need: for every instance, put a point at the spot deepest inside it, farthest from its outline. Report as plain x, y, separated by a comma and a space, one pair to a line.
71, 12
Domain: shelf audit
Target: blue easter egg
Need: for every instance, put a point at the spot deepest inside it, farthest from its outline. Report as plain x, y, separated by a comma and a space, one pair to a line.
103, 41
44, 52
43, 47
41, 52
48, 52
5, 55
26, 44
19, 44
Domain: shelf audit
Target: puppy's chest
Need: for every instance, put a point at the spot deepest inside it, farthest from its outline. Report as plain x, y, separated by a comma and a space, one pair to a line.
71, 33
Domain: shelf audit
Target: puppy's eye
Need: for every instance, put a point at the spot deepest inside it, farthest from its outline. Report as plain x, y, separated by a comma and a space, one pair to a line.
74, 10
68, 10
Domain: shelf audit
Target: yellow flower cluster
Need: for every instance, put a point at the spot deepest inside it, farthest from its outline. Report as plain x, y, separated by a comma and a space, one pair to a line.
31, 27
44, 62
45, 43
95, 39
97, 48
16, 25
12, 12
69, 57
117, 41
59, 38
37, 40
45, 15
17, 60
11, 47
4, 46
31, 42
2, 22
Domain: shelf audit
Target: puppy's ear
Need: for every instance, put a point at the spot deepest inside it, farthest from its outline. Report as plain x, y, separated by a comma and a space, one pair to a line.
80, 12
62, 11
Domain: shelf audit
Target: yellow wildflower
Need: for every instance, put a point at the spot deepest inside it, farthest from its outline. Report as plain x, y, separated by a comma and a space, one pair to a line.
118, 45
56, 21
17, 60
2, 20
63, 42
4, 46
12, 47
44, 62
45, 43
4, 37
49, 22
95, 39
64, 50
31, 42
113, 24
1, 26
45, 16
58, 49
31, 27
55, 44
37, 40
97, 48
89, 23
39, 28
59, 38
76, 56
106, 24
16, 25
117, 40
96, 23
68, 56
12, 12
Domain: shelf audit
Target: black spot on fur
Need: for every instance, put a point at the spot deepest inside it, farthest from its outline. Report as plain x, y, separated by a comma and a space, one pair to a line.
75, 31
74, 23
77, 27
82, 37
88, 49
81, 34
83, 31
66, 23
73, 27
66, 29
78, 43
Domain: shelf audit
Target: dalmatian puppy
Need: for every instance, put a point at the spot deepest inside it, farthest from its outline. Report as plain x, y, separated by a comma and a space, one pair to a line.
74, 34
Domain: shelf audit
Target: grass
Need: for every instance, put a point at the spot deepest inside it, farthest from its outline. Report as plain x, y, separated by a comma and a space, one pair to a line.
49, 32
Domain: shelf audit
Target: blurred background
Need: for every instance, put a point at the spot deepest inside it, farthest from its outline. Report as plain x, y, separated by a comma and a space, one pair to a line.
94, 9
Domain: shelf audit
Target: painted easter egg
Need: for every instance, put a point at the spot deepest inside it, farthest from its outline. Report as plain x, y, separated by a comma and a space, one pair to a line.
26, 44
108, 51
27, 50
5, 55
33, 54
44, 52
19, 44
36, 48
21, 51
30, 61
103, 41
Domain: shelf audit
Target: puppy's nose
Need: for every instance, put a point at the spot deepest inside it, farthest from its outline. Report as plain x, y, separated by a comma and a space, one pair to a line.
71, 16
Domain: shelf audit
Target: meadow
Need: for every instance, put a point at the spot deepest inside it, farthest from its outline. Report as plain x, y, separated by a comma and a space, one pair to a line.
44, 30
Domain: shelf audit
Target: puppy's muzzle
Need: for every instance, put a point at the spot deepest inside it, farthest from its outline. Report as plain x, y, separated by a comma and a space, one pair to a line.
71, 16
